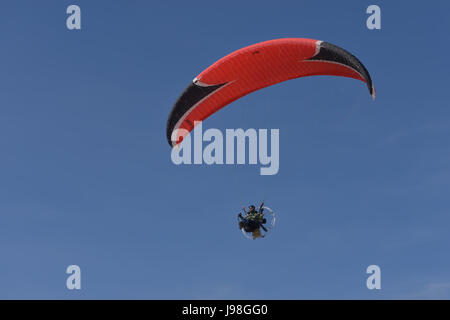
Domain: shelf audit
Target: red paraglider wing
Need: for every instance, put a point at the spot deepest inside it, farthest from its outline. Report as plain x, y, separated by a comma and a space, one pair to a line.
256, 67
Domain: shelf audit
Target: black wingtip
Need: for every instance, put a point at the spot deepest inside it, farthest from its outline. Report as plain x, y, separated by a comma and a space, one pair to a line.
333, 53
190, 97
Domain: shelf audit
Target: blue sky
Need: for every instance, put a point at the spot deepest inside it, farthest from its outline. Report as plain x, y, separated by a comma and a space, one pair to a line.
86, 176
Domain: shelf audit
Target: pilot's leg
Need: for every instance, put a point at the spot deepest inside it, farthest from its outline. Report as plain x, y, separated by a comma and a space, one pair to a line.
256, 233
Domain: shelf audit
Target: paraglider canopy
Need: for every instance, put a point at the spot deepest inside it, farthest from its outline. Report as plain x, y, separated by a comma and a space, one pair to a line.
253, 68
